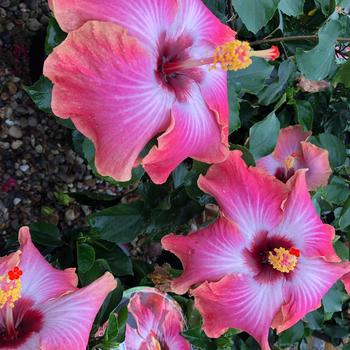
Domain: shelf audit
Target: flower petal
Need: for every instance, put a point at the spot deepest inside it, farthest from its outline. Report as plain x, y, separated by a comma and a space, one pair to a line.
316, 160
194, 132
104, 80
8, 262
195, 19
40, 281
302, 225
239, 302
206, 255
289, 141
144, 19
346, 281
247, 196
68, 320
304, 290
269, 164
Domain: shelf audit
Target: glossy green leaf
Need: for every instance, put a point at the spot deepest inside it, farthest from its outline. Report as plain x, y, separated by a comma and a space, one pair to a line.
305, 113
334, 298
54, 35
233, 103
40, 92
343, 74
85, 257
119, 224
45, 234
292, 7
255, 13
317, 63
263, 136
273, 91
251, 79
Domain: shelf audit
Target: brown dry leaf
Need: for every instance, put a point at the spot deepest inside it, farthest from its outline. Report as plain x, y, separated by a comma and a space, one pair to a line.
312, 85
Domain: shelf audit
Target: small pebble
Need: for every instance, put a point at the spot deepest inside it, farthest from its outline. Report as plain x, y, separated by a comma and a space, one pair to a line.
32, 121
34, 24
24, 167
16, 144
17, 201
15, 132
70, 215
39, 149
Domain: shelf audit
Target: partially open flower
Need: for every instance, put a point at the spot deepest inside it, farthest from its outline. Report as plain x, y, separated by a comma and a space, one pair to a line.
266, 262
155, 322
132, 70
41, 307
294, 152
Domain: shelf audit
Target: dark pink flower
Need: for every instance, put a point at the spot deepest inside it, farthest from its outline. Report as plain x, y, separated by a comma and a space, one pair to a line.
133, 70
293, 152
41, 307
266, 262
157, 323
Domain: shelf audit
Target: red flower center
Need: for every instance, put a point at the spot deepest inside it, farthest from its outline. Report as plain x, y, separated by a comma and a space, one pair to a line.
271, 258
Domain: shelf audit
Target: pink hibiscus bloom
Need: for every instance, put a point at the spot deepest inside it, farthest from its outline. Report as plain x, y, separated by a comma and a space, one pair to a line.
266, 262
293, 152
132, 70
40, 306
156, 322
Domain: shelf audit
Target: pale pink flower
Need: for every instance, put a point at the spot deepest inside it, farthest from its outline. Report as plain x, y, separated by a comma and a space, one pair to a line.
294, 152
155, 322
41, 307
132, 70
266, 262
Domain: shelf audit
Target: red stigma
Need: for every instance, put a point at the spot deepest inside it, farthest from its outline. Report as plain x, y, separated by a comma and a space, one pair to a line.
294, 251
275, 52
15, 274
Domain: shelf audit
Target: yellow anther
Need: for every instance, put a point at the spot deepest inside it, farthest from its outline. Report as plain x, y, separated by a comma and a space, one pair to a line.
10, 291
289, 162
234, 55
283, 260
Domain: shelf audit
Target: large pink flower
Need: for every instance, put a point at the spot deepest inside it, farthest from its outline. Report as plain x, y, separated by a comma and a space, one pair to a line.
157, 322
267, 261
40, 306
293, 152
131, 70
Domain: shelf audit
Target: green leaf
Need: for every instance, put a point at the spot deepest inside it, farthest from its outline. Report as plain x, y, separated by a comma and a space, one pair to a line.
119, 224
343, 74
334, 298
305, 113
179, 174
317, 63
292, 7
335, 147
40, 92
344, 220
54, 35
197, 338
45, 234
233, 102
263, 136
327, 6
291, 335
273, 91
85, 257
251, 79
255, 13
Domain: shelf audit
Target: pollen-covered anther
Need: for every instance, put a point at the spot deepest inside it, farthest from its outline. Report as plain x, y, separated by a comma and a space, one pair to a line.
155, 344
284, 260
237, 55
10, 287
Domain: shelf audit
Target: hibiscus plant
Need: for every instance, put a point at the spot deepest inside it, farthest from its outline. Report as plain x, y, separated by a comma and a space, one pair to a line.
223, 124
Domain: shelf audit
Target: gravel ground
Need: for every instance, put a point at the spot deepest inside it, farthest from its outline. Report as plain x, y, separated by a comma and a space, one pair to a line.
37, 164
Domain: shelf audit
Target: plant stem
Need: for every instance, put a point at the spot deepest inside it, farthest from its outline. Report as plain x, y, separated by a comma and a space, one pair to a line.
230, 12
292, 38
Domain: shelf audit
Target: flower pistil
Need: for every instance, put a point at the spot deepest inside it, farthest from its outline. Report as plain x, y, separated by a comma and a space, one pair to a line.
10, 287
284, 260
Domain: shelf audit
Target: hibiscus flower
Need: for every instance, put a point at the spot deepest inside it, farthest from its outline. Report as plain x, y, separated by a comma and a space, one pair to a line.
293, 152
131, 70
155, 322
266, 262
41, 307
